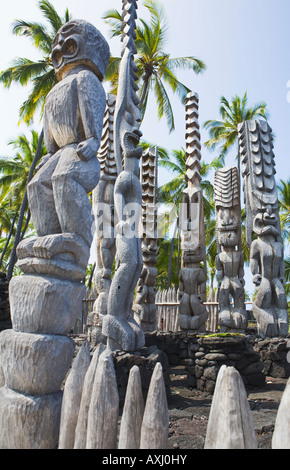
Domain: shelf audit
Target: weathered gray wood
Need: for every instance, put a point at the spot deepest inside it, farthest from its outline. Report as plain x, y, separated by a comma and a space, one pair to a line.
230, 424
72, 397
104, 406
131, 422
281, 435
154, 430
29, 422
81, 427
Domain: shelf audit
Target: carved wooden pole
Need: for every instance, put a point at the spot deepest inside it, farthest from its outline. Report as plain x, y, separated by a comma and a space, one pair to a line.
37, 353
229, 259
103, 208
144, 307
266, 251
119, 326
192, 285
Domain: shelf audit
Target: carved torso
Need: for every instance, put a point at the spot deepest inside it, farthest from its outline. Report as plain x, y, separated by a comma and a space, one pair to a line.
231, 261
269, 256
70, 116
191, 279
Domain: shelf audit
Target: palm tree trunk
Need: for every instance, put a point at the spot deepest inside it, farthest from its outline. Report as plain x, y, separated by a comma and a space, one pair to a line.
26, 225
145, 90
13, 256
8, 239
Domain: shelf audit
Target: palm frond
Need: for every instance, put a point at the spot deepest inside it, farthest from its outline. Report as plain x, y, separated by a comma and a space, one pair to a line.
51, 15
163, 103
187, 63
36, 32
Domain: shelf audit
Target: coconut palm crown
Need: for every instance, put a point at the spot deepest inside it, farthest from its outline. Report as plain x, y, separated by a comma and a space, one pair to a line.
156, 68
40, 73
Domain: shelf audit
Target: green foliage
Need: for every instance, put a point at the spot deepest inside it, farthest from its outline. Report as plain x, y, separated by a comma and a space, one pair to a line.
284, 208
163, 261
14, 173
40, 74
222, 335
224, 132
156, 69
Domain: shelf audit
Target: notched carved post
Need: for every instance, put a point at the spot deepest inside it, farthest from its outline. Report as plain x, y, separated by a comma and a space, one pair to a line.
192, 279
229, 259
103, 208
266, 250
37, 353
119, 326
145, 309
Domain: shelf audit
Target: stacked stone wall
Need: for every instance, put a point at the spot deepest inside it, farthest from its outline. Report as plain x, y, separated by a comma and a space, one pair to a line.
202, 356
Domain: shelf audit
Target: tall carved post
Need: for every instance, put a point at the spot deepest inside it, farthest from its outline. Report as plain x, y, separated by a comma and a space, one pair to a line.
229, 259
144, 307
192, 281
266, 252
37, 353
119, 326
103, 207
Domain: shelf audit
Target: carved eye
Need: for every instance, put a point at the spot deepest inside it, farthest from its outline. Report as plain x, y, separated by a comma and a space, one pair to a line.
129, 118
68, 28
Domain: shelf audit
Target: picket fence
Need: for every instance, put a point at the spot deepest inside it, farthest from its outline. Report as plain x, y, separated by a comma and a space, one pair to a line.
167, 303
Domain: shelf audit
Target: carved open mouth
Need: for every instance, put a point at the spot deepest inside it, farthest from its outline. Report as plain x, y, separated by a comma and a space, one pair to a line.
228, 228
270, 219
132, 139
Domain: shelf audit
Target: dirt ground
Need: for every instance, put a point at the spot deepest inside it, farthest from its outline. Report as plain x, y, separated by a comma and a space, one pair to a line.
189, 411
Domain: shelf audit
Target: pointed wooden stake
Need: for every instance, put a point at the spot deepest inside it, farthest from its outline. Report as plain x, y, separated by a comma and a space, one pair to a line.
133, 410
230, 424
81, 429
104, 406
281, 435
72, 397
154, 430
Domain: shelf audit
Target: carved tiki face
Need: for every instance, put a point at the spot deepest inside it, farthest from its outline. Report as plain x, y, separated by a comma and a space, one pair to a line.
266, 222
227, 203
79, 42
150, 251
227, 226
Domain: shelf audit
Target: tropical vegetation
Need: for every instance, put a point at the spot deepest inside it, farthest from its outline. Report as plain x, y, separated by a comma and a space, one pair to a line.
156, 69
38, 73
224, 132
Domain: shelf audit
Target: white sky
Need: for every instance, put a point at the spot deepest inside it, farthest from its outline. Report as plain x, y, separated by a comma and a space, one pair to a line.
245, 45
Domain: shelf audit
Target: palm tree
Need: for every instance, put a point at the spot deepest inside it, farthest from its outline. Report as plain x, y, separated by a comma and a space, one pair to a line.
16, 172
284, 207
156, 69
225, 132
39, 73
172, 193
173, 190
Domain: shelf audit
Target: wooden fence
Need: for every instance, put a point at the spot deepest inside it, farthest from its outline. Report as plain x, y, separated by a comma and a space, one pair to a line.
167, 312
167, 302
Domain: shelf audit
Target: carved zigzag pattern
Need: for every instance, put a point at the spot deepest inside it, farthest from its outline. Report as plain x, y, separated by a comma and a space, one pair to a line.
193, 146
129, 16
106, 153
226, 187
257, 156
149, 187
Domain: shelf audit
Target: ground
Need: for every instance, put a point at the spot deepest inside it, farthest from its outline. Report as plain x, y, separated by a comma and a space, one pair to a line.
189, 411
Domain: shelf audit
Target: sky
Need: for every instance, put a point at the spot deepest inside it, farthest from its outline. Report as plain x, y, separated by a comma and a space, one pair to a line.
245, 45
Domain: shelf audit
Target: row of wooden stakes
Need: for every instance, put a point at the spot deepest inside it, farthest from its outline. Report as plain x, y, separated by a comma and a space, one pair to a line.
90, 409
90, 406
